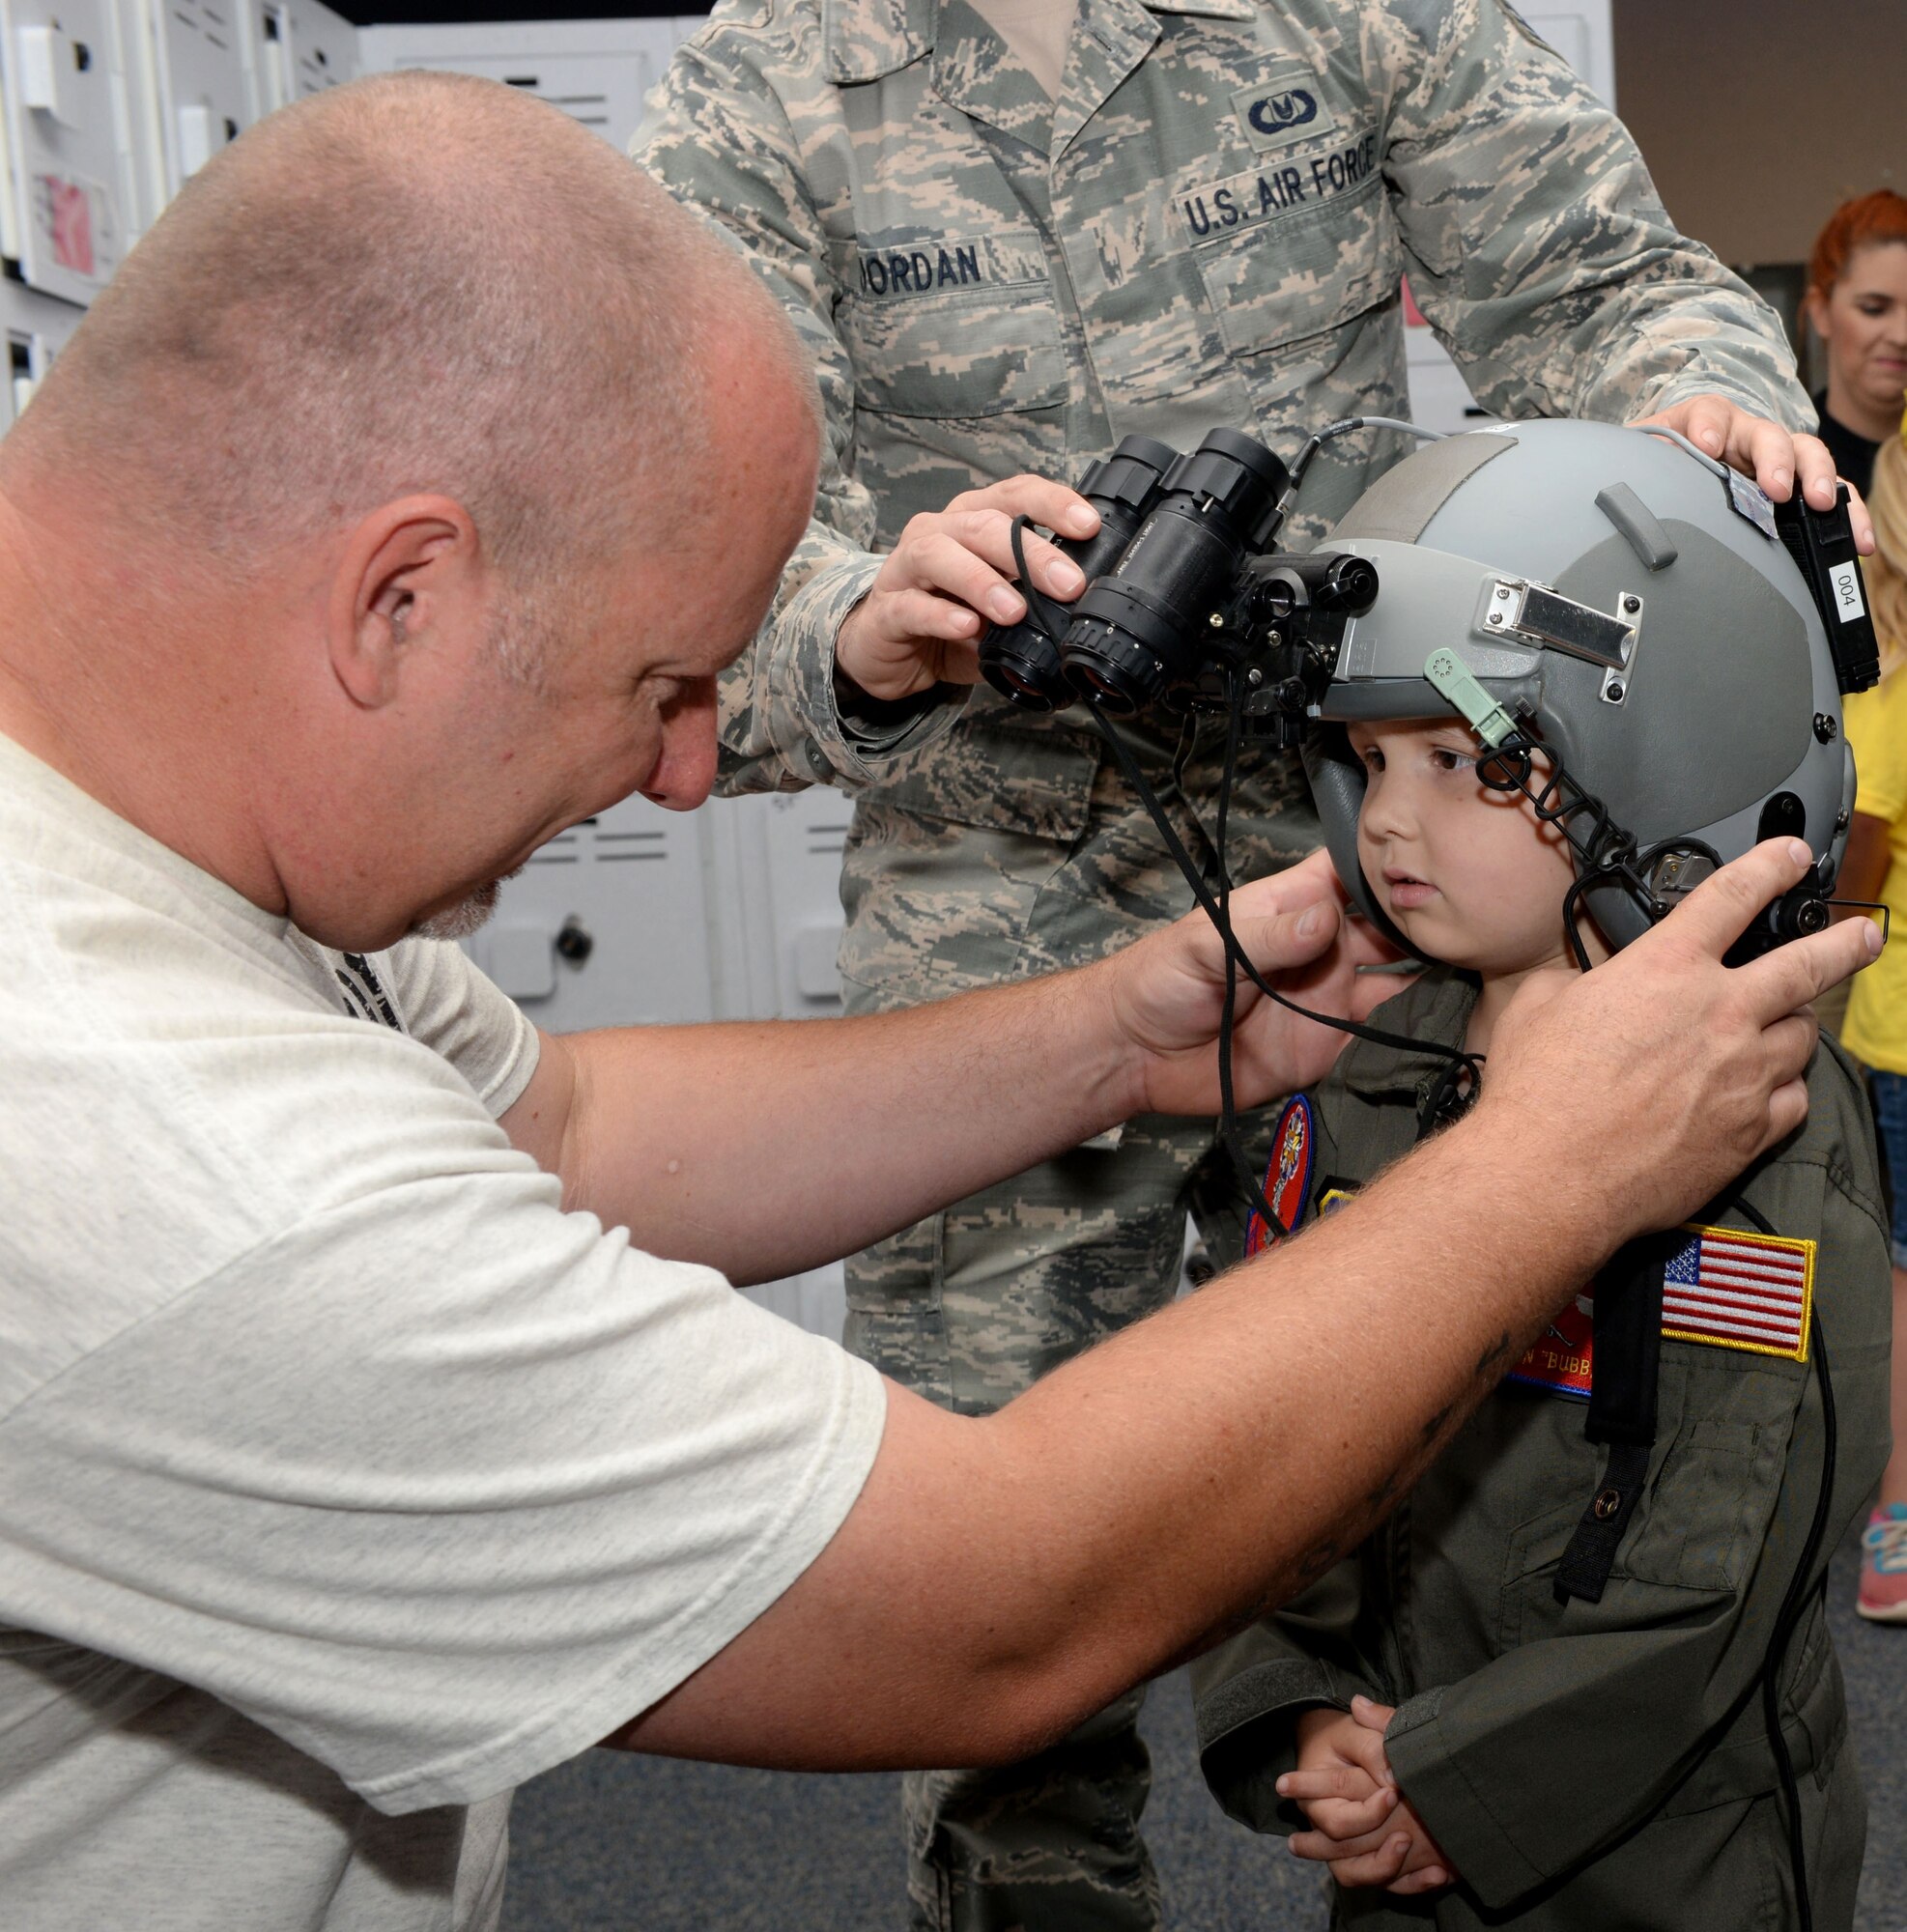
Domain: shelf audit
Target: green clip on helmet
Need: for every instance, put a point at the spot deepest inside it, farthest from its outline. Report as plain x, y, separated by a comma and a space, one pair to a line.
1627, 597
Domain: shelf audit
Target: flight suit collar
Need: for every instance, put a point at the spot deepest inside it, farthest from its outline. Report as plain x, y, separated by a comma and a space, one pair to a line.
1437, 1008
862, 40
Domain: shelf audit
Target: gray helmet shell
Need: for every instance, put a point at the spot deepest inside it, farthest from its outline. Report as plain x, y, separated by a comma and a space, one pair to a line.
1700, 723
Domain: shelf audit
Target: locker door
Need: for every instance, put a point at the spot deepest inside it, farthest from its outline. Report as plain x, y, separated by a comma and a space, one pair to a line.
196, 50
607, 924
597, 72
68, 146
806, 832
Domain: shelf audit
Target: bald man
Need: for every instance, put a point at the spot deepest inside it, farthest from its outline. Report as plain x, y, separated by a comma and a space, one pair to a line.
376, 1426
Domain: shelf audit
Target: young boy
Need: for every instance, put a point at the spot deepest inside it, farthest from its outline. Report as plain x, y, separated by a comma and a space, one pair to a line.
1459, 1747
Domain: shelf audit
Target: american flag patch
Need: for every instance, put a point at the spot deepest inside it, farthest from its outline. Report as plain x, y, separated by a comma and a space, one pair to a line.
1740, 1291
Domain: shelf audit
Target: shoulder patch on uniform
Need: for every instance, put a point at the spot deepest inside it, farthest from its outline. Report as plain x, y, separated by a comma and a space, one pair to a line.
1736, 1289
1287, 105
1288, 1177
1563, 1357
1723, 1287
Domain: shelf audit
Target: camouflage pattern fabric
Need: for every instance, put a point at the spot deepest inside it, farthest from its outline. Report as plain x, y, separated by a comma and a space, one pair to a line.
1207, 226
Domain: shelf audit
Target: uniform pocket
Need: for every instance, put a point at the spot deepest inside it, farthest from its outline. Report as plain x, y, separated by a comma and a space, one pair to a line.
1707, 1507
1276, 276
954, 331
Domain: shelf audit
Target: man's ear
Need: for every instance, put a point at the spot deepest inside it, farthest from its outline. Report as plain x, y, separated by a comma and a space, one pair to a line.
411, 573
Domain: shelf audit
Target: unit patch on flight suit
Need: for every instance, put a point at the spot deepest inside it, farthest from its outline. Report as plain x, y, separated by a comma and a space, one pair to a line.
1287, 1178
1562, 1358
1287, 107
1734, 1290
1723, 1287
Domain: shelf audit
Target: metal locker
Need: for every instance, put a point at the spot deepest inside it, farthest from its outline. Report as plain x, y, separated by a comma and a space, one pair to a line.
192, 62
68, 151
606, 924
806, 832
295, 48
597, 72
37, 330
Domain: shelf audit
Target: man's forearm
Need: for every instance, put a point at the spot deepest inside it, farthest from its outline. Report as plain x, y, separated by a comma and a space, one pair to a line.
1000, 1579
1161, 1490
764, 1149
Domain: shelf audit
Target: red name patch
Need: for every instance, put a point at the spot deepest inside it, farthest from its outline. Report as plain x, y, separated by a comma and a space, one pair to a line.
1563, 1357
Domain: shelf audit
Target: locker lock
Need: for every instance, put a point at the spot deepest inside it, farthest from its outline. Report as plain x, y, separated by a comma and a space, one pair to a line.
575, 942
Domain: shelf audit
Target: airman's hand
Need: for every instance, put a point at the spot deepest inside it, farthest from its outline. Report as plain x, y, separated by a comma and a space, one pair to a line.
1657, 1078
951, 574
1167, 993
1774, 457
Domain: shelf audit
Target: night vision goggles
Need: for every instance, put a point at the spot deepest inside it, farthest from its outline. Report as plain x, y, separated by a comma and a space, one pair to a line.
1643, 643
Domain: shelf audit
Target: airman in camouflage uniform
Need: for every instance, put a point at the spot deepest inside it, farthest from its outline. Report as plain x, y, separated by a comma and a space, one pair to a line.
1597, 1764
1207, 225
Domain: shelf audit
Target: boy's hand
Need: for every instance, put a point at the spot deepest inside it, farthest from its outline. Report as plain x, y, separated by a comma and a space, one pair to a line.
1362, 1826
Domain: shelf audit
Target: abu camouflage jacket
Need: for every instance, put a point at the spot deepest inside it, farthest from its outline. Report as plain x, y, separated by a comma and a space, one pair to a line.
1207, 227
1599, 1765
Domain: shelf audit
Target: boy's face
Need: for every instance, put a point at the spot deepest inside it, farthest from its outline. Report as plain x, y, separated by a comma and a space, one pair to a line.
1467, 874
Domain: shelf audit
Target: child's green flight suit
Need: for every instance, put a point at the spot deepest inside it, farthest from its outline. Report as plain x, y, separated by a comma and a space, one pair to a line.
1604, 1765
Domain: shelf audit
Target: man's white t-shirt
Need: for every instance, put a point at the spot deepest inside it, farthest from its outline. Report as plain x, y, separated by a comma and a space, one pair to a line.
345, 1480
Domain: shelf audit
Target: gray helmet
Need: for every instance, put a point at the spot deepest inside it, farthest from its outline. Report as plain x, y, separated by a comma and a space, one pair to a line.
1627, 600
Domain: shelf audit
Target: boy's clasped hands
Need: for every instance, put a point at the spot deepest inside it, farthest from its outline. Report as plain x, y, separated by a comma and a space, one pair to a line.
1361, 1824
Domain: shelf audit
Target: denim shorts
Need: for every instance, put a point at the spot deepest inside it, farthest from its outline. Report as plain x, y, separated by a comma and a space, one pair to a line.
1890, 1092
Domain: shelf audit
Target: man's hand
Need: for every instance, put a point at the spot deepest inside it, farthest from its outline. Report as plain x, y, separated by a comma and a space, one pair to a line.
949, 576
1167, 993
1362, 1826
1766, 452
1672, 1070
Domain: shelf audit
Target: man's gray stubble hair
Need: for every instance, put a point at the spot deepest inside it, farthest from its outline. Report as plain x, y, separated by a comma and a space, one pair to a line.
422, 282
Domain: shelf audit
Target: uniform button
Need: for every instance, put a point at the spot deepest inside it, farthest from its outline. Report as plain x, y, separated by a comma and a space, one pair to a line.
818, 761
1606, 1504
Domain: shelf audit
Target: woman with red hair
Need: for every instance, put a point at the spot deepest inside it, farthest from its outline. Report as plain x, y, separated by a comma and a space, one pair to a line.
1857, 301
1856, 304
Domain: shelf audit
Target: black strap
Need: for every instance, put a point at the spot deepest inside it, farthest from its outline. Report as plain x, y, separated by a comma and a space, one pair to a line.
1591, 1553
1622, 1408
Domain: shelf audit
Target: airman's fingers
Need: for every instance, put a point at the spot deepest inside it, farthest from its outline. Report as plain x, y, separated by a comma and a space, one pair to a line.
1787, 1108
1705, 421
989, 535
1816, 468
1721, 909
922, 614
1794, 975
1770, 454
1863, 522
1039, 498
